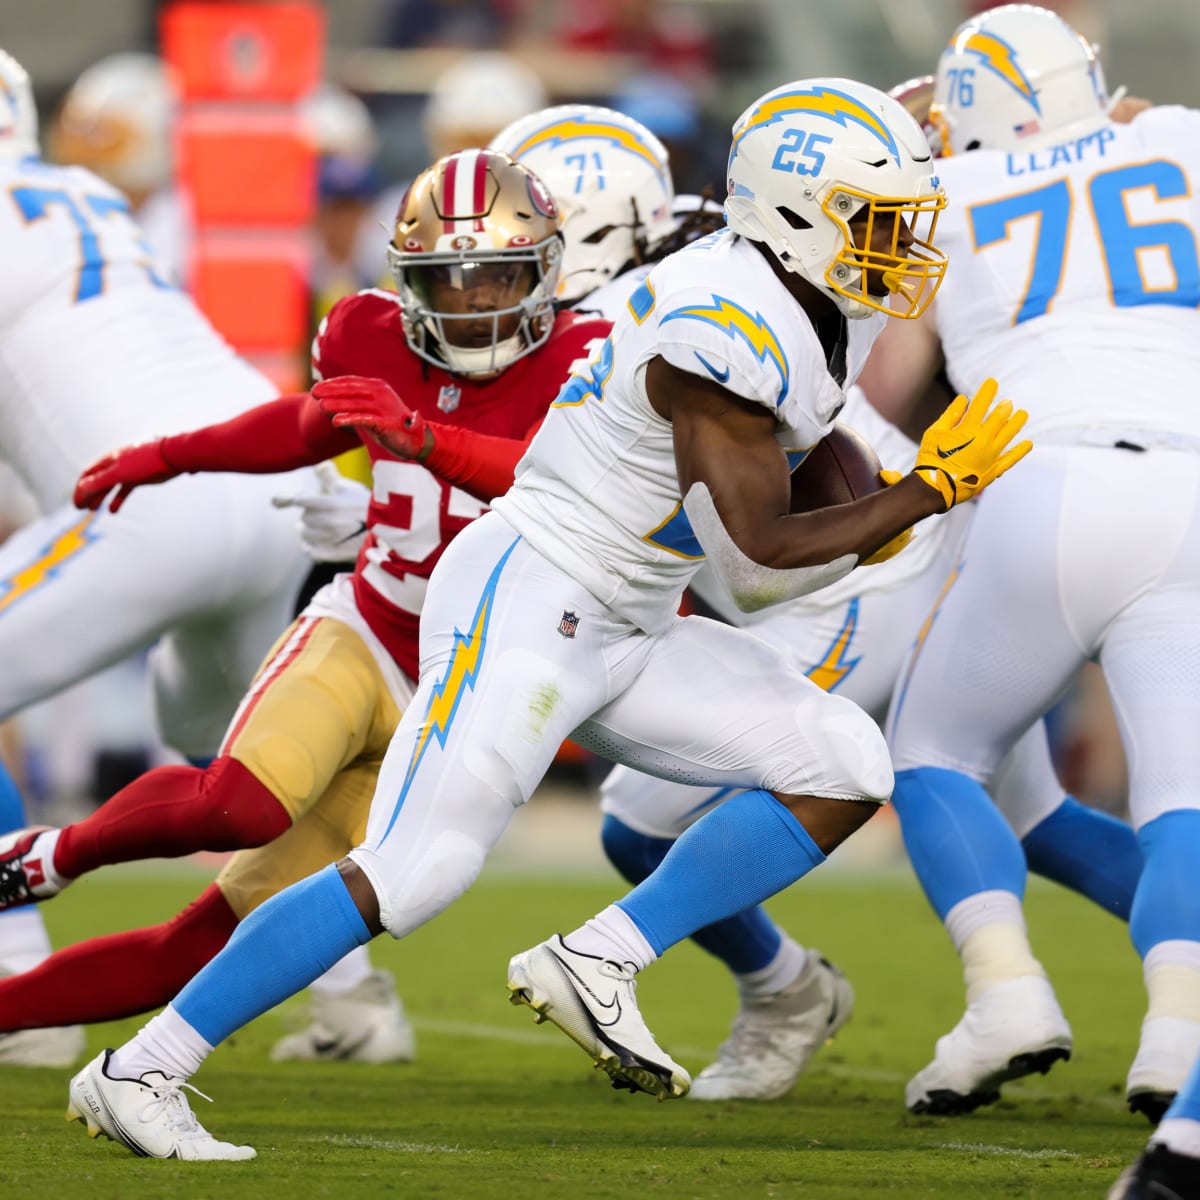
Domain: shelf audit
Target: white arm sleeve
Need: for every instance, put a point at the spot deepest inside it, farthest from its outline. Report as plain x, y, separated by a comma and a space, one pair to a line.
752, 585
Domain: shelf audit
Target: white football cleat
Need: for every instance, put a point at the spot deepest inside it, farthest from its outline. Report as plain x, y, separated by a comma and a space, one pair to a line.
366, 1024
149, 1116
774, 1037
593, 1001
1166, 1049
1014, 1029
26, 875
58, 1046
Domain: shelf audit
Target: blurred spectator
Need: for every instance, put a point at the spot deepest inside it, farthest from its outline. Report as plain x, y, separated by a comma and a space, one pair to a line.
115, 120
466, 23
343, 135
477, 97
669, 109
672, 37
469, 103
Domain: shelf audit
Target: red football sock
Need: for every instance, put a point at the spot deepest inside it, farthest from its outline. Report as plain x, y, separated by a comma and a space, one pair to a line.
172, 811
120, 975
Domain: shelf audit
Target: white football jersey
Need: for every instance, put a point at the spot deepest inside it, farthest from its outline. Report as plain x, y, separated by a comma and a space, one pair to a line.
597, 493
97, 350
1074, 278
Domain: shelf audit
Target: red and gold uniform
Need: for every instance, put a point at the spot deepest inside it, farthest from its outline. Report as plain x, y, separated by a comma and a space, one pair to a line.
318, 718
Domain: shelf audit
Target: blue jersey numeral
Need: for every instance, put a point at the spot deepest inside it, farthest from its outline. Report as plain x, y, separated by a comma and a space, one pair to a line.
1122, 241
34, 203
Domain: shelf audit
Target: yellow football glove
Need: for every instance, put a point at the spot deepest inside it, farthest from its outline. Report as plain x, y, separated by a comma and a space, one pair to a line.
892, 548
964, 449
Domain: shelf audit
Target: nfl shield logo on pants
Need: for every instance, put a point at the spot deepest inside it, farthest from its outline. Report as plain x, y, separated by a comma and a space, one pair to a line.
449, 397
568, 625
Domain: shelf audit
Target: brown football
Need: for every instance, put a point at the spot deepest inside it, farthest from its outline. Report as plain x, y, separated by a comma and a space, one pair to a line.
841, 467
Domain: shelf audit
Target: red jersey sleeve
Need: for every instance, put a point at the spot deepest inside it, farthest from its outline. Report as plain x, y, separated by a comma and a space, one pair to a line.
476, 462
280, 435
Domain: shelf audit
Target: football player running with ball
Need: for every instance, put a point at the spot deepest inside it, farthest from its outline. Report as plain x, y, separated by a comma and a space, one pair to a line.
556, 613
473, 344
610, 176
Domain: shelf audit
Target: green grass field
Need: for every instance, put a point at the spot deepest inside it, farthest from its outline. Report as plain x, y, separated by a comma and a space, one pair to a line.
497, 1106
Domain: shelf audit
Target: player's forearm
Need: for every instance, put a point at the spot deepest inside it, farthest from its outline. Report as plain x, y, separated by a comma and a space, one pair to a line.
476, 462
824, 535
280, 435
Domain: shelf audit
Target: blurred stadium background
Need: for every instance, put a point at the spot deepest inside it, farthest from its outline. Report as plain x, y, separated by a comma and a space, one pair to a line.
410, 87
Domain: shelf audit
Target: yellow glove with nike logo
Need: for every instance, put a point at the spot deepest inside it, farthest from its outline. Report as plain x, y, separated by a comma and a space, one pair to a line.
892, 548
964, 449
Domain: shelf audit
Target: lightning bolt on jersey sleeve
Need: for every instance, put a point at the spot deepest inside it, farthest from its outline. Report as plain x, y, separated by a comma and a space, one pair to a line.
598, 493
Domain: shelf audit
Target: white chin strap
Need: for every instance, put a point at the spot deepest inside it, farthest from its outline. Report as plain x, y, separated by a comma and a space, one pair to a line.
482, 360
752, 585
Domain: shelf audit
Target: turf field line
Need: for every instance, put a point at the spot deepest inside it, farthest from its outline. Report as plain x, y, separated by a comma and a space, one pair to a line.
1013, 1151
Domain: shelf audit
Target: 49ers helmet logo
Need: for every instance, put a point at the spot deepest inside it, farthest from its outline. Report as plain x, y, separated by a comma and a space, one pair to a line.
540, 195
464, 241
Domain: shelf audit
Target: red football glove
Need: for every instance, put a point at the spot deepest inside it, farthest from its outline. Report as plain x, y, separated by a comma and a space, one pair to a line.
124, 470
372, 405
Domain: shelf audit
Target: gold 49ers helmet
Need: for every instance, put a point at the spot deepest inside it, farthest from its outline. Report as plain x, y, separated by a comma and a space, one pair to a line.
476, 255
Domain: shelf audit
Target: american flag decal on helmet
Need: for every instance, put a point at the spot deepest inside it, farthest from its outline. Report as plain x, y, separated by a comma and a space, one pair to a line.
464, 199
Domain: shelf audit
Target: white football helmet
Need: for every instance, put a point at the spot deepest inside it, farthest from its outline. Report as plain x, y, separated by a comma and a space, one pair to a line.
812, 156
610, 178
18, 115
1017, 77
116, 121
476, 224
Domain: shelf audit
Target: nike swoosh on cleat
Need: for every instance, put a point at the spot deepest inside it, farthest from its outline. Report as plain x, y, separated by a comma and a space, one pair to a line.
614, 1003
719, 376
952, 451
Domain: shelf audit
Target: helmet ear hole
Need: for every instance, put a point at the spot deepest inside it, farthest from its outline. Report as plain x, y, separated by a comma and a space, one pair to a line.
794, 219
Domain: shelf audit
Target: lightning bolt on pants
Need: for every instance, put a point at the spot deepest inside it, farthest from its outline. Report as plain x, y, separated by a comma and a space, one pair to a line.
505, 679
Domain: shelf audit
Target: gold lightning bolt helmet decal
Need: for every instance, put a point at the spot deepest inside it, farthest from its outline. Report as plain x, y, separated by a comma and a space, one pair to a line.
823, 102
573, 128
997, 56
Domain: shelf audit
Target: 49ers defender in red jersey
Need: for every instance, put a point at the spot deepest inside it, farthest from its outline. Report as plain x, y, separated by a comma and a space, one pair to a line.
455, 373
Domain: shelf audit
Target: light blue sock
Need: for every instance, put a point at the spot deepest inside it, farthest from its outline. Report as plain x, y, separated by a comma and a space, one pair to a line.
957, 841
12, 809
1166, 906
278, 949
746, 942
1186, 1105
1088, 851
738, 855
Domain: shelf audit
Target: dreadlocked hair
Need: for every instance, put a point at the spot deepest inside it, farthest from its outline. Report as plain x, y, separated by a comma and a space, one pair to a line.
706, 219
